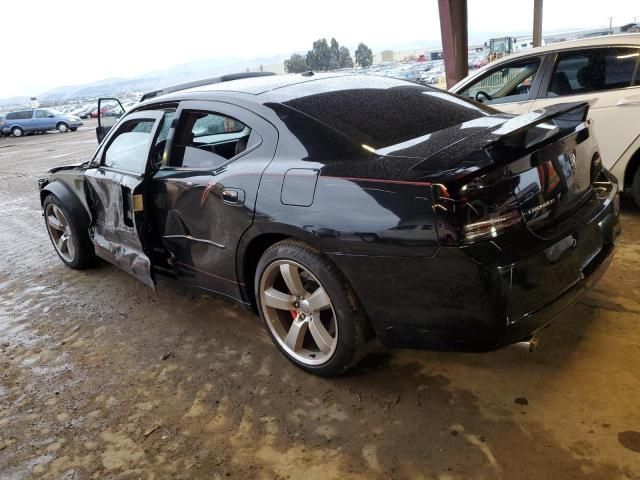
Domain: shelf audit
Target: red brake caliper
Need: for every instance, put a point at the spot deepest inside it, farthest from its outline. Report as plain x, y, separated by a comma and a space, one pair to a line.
294, 314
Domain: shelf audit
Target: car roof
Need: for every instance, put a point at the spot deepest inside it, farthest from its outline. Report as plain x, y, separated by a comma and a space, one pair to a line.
204, 81
282, 88
259, 85
601, 41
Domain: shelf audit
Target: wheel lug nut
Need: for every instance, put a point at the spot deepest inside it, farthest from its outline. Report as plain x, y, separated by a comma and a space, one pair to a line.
302, 316
296, 305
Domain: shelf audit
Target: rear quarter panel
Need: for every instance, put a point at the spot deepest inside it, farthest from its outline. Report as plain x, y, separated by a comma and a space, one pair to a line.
352, 215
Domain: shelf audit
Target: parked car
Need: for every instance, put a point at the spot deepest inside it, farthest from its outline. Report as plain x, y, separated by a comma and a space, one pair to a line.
341, 208
36, 120
604, 71
1, 124
78, 110
86, 111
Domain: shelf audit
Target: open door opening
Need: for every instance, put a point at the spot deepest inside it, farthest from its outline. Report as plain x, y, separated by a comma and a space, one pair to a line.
109, 112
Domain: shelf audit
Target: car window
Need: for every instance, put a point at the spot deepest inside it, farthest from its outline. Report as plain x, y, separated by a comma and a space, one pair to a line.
208, 140
163, 133
586, 71
509, 82
22, 115
167, 119
129, 148
41, 114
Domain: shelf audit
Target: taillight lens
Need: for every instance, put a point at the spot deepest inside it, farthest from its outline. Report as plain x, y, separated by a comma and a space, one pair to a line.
488, 207
492, 227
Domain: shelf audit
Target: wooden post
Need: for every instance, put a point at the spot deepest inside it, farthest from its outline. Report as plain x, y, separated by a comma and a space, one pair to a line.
455, 45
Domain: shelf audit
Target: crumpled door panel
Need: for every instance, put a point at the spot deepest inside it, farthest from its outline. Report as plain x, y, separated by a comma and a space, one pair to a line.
115, 234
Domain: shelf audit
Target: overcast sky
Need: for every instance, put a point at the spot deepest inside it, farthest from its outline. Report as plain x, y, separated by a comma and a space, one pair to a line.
50, 44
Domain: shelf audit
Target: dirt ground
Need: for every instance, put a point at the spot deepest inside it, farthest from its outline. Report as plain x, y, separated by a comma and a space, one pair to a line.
101, 377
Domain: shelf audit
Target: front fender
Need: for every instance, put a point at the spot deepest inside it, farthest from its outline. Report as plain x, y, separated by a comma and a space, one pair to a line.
70, 200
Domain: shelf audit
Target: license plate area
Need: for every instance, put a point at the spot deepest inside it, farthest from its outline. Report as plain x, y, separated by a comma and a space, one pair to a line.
542, 278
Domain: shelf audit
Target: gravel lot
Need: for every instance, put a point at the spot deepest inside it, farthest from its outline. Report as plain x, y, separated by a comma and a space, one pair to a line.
101, 377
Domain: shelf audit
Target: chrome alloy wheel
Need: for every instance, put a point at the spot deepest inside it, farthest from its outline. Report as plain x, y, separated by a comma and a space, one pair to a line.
298, 311
60, 232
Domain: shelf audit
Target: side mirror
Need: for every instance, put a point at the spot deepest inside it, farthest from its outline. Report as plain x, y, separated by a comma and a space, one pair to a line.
51, 115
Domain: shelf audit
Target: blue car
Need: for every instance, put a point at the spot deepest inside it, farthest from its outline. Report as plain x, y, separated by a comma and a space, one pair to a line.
38, 120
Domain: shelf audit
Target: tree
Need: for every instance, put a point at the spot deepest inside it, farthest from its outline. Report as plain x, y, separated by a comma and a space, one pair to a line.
364, 56
296, 64
344, 58
334, 58
319, 57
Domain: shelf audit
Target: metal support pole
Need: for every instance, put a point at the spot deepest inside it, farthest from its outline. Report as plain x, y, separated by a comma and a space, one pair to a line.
455, 45
537, 23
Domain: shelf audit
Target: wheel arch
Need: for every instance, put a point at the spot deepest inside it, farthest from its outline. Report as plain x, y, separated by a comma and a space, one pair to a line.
249, 256
253, 244
69, 199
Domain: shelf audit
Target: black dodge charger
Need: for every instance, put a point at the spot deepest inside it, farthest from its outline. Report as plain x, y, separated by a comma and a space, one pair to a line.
345, 208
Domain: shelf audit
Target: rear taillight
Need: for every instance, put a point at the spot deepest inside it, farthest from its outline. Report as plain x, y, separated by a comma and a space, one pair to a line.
493, 226
484, 208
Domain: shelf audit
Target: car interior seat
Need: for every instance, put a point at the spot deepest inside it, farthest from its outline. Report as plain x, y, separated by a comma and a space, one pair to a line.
241, 144
560, 85
590, 79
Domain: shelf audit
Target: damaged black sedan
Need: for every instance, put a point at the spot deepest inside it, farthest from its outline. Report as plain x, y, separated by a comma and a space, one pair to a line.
345, 208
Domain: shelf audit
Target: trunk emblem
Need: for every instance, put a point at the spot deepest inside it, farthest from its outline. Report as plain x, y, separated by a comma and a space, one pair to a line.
537, 208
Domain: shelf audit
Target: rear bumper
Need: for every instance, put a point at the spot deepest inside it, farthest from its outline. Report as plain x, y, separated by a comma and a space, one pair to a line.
452, 301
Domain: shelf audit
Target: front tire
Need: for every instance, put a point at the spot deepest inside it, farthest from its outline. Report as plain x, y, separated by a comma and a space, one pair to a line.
635, 187
62, 127
311, 313
72, 244
17, 132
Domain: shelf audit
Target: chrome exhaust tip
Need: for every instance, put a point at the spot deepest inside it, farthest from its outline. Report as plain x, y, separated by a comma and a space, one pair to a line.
531, 344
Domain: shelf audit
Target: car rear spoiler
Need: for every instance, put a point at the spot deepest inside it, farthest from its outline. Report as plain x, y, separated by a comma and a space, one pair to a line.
564, 115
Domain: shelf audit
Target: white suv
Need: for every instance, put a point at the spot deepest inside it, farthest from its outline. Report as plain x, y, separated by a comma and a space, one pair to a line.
603, 70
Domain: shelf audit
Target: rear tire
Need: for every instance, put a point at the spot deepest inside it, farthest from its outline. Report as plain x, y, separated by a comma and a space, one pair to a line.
17, 132
635, 187
329, 343
62, 127
71, 243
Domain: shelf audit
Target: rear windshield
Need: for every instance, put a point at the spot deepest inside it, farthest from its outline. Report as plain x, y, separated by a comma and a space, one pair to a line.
382, 112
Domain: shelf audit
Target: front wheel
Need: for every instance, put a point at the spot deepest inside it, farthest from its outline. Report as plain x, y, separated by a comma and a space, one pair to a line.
311, 313
71, 243
62, 127
635, 187
17, 131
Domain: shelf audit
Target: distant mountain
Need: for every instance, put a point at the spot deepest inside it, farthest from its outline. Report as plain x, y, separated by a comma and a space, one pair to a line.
161, 78
14, 101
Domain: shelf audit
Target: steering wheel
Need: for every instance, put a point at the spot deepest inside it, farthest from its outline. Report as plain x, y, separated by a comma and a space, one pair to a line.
484, 94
